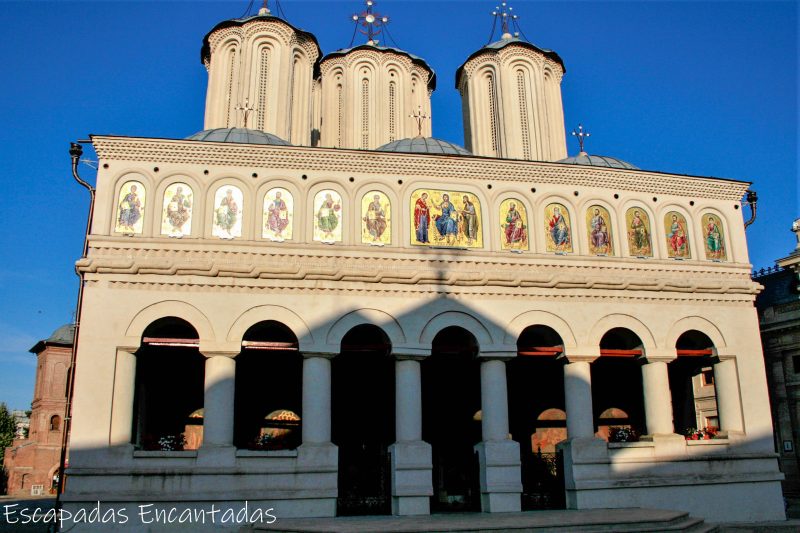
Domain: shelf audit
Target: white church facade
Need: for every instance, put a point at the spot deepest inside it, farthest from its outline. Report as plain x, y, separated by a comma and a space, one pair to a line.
329, 312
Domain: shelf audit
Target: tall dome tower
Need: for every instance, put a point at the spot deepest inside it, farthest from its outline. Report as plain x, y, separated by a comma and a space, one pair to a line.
369, 92
511, 98
261, 73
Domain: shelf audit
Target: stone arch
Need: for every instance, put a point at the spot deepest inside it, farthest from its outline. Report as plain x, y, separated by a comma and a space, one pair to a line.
694, 323
540, 318
456, 318
390, 326
168, 308
610, 322
275, 313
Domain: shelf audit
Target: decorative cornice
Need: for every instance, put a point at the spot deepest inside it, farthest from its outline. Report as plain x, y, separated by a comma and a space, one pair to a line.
403, 268
292, 158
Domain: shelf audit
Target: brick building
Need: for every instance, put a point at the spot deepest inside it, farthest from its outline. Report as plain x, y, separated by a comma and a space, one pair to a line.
32, 463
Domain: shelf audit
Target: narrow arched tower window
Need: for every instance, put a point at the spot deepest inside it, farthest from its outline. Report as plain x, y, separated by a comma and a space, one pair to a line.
231, 73
392, 112
493, 131
292, 99
365, 114
340, 121
262, 89
523, 115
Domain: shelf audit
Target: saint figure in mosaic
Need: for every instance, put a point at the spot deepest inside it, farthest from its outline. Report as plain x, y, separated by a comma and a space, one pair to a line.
715, 240
677, 236
559, 238
375, 208
514, 225
469, 220
327, 217
422, 219
599, 225
131, 206
447, 222
228, 213
278, 204
639, 241
176, 219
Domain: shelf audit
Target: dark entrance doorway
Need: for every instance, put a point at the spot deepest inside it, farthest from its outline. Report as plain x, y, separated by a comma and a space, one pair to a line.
451, 419
363, 421
537, 417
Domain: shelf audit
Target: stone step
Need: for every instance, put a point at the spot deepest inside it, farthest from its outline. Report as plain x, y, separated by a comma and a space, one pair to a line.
584, 521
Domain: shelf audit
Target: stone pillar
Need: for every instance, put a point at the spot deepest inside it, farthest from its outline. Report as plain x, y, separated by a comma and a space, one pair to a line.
500, 479
411, 458
124, 392
217, 448
584, 454
657, 398
729, 402
578, 398
316, 419
317, 457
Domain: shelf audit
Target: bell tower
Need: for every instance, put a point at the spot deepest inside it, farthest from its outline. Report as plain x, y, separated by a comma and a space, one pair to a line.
261, 71
369, 92
511, 97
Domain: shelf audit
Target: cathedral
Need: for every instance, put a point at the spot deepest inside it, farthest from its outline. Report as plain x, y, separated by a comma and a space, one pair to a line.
314, 306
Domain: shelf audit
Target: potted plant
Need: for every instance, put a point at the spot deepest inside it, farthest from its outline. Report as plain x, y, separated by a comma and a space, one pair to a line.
622, 434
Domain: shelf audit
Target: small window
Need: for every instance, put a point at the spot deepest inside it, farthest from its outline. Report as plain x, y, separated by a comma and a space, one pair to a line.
708, 376
796, 363
55, 423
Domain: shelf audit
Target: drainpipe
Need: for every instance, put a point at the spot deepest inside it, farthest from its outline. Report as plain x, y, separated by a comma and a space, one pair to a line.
752, 201
75, 152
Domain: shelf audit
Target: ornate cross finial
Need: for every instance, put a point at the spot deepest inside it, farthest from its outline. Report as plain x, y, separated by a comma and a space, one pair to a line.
246, 109
420, 117
372, 23
264, 8
581, 135
507, 19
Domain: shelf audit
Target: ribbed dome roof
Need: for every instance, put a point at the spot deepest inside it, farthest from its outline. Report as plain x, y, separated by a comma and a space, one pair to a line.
238, 135
597, 161
65, 335
424, 145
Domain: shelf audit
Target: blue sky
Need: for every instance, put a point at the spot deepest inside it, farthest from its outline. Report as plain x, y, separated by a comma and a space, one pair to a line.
697, 88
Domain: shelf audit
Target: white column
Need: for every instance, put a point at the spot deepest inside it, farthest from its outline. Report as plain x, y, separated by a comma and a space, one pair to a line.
411, 459
578, 397
218, 400
494, 400
316, 419
408, 401
657, 398
498, 455
729, 403
124, 392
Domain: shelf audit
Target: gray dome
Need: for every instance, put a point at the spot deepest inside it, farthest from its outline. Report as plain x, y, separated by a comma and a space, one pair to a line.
597, 161
424, 145
63, 335
237, 135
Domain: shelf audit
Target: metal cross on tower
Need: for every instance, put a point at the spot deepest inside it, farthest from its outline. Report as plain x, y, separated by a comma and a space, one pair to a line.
246, 109
372, 23
420, 117
264, 8
581, 135
507, 19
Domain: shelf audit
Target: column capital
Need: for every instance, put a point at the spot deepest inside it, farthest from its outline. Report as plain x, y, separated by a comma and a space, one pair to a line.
410, 356
496, 356
131, 349
725, 356
208, 354
660, 355
321, 355
575, 358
